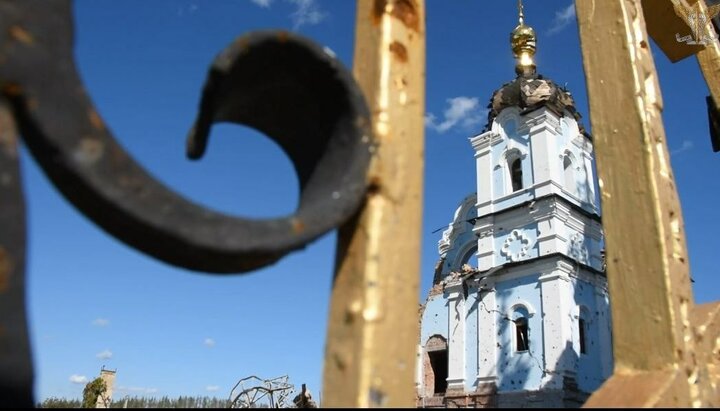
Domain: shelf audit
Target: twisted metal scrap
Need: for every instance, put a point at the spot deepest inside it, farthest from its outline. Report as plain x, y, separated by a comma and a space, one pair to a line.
271, 393
283, 85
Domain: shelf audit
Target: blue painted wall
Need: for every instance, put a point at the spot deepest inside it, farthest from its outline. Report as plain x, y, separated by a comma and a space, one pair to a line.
589, 365
519, 370
435, 318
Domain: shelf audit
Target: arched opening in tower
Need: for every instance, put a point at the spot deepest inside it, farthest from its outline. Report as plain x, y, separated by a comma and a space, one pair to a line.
516, 175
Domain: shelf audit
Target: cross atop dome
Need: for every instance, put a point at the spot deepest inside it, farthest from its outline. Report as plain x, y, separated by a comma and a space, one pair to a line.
530, 90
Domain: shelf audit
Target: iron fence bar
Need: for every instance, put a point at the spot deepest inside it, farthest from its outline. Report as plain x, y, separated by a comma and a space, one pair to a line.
16, 373
284, 85
372, 331
277, 82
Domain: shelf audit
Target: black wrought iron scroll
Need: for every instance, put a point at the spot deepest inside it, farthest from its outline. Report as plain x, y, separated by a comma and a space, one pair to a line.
281, 84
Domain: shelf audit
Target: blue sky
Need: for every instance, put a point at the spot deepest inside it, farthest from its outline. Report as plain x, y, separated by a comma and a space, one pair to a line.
94, 301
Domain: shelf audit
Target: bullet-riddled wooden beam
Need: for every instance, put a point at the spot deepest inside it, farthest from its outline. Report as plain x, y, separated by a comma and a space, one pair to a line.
709, 60
706, 326
663, 25
373, 325
667, 350
647, 262
625, 110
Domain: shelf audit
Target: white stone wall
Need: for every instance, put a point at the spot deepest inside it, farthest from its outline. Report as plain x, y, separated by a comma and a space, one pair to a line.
456, 332
544, 227
539, 256
552, 225
542, 140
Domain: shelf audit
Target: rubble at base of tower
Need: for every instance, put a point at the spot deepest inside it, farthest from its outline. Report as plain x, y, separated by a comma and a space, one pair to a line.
487, 396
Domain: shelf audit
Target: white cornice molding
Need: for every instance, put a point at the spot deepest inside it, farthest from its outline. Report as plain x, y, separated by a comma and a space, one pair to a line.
484, 141
454, 288
545, 120
554, 187
582, 143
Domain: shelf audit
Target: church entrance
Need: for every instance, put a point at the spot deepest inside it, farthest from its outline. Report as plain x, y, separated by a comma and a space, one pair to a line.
436, 366
439, 364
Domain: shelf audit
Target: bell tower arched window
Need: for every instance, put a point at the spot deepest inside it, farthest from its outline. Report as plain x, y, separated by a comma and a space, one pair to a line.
521, 334
520, 329
516, 177
581, 328
569, 175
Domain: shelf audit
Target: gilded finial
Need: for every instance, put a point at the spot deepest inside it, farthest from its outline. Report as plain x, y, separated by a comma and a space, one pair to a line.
521, 16
523, 41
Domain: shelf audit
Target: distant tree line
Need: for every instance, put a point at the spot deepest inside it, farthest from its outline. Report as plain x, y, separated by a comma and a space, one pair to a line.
54, 402
144, 402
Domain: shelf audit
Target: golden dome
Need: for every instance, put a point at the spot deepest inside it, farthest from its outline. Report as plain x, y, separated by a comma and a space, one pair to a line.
523, 41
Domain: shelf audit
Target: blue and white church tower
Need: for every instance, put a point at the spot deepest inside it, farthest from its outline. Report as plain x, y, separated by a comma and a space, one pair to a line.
529, 325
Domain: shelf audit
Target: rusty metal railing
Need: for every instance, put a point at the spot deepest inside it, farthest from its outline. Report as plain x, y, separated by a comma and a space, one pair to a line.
281, 84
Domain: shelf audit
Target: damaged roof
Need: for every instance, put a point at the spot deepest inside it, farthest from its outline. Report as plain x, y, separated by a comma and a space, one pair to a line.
529, 92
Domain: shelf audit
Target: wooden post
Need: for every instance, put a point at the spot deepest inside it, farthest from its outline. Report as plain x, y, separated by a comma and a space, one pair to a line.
709, 60
659, 336
373, 324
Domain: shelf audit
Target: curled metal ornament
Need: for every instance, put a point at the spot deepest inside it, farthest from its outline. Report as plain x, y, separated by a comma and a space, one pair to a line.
283, 85
16, 374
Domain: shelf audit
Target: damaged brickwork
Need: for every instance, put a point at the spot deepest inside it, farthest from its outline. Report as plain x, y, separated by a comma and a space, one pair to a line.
486, 396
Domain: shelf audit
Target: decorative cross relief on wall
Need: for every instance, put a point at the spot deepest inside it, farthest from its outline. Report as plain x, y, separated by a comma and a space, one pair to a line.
577, 249
516, 246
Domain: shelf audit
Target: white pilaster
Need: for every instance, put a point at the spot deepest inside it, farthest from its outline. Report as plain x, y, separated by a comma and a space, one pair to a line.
482, 145
487, 336
544, 127
590, 176
557, 327
484, 176
456, 331
604, 335
484, 229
